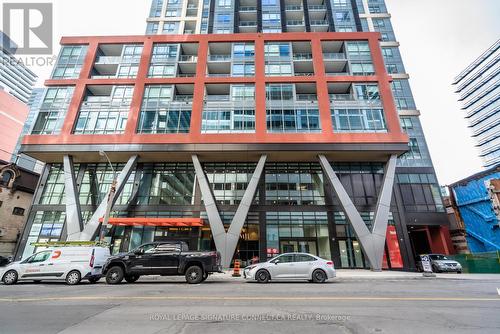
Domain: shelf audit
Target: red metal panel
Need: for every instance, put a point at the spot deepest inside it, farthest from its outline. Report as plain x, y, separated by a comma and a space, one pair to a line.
170, 222
394, 134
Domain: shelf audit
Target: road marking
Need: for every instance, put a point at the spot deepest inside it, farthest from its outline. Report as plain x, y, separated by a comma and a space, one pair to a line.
242, 298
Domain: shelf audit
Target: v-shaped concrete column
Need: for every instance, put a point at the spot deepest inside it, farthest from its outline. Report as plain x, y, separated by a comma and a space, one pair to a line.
373, 242
226, 242
74, 223
90, 229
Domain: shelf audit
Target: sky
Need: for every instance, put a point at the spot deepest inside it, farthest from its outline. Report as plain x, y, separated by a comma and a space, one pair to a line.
439, 38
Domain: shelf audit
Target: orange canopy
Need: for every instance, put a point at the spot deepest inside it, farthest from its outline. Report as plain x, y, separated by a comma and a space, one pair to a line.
167, 222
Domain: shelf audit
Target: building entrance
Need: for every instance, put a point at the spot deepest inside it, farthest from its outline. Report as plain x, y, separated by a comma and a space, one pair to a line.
300, 245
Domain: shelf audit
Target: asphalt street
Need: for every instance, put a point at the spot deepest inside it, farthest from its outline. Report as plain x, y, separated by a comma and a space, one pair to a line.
168, 305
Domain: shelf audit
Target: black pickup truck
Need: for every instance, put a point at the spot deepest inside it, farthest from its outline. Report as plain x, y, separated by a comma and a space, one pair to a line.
162, 258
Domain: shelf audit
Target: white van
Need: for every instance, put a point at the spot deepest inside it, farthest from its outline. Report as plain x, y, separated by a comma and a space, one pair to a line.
71, 264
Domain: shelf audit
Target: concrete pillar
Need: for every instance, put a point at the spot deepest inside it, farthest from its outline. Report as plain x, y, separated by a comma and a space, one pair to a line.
372, 242
226, 242
74, 223
90, 229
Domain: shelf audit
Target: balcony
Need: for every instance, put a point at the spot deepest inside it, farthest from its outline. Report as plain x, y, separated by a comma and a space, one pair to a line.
319, 23
108, 60
219, 58
188, 58
302, 56
248, 9
295, 23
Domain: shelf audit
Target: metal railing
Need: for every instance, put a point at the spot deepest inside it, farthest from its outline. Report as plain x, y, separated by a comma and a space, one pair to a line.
294, 23
319, 22
108, 60
248, 9
248, 23
293, 7
316, 7
307, 97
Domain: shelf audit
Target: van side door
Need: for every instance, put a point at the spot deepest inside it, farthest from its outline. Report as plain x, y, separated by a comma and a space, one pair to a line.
35, 267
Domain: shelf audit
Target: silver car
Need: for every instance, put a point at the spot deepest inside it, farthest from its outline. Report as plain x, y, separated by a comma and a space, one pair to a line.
291, 266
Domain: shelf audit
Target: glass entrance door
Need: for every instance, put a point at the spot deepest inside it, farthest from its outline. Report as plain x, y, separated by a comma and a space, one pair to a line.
299, 245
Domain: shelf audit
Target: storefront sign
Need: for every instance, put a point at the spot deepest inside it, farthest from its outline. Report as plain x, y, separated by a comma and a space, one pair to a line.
426, 263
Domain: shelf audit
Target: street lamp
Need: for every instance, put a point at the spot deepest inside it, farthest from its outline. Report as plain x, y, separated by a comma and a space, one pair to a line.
111, 196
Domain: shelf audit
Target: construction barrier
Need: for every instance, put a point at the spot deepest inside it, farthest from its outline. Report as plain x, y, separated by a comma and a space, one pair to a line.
236, 268
479, 263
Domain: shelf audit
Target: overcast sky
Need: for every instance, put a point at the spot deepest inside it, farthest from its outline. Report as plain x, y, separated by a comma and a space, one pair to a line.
439, 38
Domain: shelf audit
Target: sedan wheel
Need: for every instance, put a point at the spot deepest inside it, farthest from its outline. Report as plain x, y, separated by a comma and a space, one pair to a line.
262, 276
10, 277
319, 276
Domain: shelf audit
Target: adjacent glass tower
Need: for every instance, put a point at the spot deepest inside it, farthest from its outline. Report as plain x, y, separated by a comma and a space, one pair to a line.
479, 89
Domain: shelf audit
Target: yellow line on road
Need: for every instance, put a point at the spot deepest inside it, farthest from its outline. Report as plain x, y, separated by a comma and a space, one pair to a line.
242, 298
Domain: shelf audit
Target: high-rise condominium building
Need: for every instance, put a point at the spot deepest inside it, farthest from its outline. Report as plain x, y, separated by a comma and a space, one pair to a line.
479, 89
250, 127
15, 78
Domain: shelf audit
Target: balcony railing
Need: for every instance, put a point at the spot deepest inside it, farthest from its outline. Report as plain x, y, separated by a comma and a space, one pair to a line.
316, 7
304, 74
217, 98
248, 23
248, 9
338, 73
307, 97
108, 60
319, 22
294, 23
189, 58
220, 75
302, 56
293, 7
219, 58
334, 56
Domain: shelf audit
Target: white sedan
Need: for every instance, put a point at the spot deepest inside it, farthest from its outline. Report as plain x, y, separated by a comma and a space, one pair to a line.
291, 266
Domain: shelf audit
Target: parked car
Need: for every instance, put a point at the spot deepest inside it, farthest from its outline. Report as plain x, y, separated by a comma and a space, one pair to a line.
440, 263
162, 258
4, 261
291, 266
71, 264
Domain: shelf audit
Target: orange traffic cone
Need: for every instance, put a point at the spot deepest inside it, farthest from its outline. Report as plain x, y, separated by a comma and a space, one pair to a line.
236, 269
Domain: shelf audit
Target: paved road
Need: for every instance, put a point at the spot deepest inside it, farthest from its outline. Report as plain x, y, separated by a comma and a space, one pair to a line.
168, 305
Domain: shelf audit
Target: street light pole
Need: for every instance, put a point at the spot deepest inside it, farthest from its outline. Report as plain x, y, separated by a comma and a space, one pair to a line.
111, 196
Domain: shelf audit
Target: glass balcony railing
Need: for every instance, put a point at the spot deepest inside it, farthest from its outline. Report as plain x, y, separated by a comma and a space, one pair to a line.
248, 23
248, 9
334, 56
188, 58
307, 97
293, 7
316, 7
294, 23
302, 56
217, 98
223, 75
219, 58
108, 60
304, 74
319, 22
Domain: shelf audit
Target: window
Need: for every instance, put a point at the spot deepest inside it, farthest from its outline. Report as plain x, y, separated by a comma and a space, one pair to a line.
224, 3
152, 28
218, 120
387, 53
284, 259
53, 192
223, 18
342, 16
18, 211
159, 114
413, 150
304, 258
40, 257
406, 123
362, 69
242, 92
378, 23
340, 3
70, 62
358, 49
288, 119
156, 7
392, 68
105, 114
243, 50
367, 92
278, 69
53, 110
279, 92
244, 70
358, 120
163, 61
401, 103
170, 27
277, 50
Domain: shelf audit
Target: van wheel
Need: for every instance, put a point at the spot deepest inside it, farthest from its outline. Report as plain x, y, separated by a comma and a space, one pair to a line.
262, 276
132, 279
10, 277
194, 275
319, 276
114, 275
94, 280
73, 278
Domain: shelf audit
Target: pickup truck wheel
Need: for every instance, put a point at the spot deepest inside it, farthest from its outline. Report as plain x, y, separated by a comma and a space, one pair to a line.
262, 276
205, 276
194, 275
73, 278
132, 278
10, 277
114, 275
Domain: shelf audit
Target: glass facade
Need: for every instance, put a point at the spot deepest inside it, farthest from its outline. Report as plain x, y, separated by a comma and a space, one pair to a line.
69, 63
53, 110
